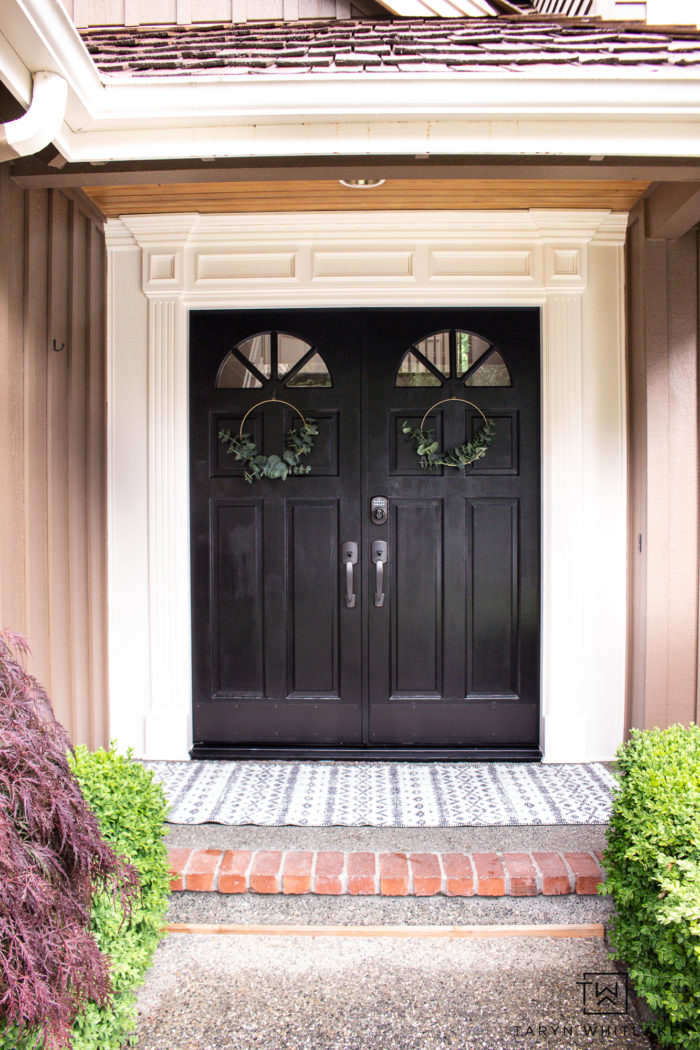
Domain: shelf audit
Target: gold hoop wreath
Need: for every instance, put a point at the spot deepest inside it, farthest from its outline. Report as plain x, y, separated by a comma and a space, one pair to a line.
429, 451
298, 441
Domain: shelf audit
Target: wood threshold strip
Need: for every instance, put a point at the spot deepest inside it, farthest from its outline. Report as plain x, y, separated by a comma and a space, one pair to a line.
591, 930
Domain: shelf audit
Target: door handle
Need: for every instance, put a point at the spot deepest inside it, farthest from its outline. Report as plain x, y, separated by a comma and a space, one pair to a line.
379, 557
349, 556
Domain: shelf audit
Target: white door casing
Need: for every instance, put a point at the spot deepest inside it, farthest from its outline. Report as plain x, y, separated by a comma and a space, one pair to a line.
568, 262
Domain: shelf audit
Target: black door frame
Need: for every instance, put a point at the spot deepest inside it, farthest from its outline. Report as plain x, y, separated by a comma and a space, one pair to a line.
376, 752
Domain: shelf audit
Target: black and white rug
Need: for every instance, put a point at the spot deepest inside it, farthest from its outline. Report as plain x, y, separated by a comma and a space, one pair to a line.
385, 794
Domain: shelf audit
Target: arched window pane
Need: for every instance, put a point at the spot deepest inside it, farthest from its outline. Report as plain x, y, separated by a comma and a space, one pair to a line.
493, 372
233, 374
436, 348
258, 350
290, 350
314, 373
413, 372
470, 348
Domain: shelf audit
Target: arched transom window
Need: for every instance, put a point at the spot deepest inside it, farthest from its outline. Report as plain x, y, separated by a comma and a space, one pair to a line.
272, 356
453, 354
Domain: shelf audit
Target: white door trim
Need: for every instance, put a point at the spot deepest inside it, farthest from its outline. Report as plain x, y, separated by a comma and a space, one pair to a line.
568, 262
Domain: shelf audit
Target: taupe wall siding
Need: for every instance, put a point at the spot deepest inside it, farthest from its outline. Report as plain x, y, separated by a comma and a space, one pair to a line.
187, 12
663, 369
52, 448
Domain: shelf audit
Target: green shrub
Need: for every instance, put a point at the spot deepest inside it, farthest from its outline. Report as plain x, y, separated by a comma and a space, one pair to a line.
130, 807
653, 874
53, 862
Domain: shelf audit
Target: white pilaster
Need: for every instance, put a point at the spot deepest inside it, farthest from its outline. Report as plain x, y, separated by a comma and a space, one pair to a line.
563, 581
168, 718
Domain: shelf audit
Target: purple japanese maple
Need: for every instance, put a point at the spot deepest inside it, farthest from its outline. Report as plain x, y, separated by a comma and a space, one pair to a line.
52, 861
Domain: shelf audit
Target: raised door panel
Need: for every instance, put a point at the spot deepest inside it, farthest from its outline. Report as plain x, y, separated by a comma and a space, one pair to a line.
492, 599
313, 598
238, 626
416, 600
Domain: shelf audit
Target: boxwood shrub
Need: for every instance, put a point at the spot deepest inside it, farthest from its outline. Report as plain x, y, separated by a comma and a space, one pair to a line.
653, 873
130, 807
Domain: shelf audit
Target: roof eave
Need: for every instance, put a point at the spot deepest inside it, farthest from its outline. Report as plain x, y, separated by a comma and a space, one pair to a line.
541, 111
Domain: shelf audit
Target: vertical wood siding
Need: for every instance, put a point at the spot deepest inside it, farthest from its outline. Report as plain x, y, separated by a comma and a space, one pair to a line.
188, 12
52, 448
663, 326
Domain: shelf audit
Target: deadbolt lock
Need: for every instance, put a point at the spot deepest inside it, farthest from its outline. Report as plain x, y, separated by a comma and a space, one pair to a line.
379, 510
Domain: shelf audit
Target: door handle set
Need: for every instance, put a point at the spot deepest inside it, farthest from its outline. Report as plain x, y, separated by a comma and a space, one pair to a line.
349, 557
380, 556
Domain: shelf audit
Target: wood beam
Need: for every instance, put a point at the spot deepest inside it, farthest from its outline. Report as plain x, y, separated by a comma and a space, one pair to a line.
33, 174
672, 210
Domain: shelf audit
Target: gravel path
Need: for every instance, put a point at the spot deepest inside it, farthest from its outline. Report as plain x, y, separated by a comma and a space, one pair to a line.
340, 993
279, 909
391, 840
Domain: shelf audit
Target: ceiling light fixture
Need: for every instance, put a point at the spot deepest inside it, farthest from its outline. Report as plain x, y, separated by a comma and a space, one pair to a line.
362, 184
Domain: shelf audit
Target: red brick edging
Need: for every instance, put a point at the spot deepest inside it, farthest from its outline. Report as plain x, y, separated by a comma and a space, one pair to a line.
385, 874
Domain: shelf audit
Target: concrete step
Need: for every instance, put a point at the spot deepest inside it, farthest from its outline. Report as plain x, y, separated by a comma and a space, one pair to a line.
318, 910
493, 839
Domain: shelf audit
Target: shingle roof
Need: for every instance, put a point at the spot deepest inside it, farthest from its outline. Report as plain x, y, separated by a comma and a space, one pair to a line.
409, 45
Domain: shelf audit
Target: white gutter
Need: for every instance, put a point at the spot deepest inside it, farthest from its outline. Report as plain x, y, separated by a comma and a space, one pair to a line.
42, 121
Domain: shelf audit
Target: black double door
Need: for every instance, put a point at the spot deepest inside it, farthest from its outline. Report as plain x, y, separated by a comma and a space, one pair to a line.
321, 626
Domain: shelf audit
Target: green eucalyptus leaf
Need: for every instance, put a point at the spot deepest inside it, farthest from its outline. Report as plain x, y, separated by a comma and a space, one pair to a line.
428, 449
298, 442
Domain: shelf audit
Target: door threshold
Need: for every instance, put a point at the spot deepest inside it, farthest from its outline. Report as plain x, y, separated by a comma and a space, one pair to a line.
370, 754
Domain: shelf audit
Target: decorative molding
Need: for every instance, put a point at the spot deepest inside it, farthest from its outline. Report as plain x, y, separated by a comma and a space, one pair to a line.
215, 268
361, 265
480, 252
483, 264
565, 267
118, 235
168, 518
563, 494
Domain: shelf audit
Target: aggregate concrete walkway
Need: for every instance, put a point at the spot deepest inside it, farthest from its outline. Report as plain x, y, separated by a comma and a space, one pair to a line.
340, 993
408, 992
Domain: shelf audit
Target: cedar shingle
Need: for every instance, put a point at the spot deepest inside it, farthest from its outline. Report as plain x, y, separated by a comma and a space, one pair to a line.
412, 45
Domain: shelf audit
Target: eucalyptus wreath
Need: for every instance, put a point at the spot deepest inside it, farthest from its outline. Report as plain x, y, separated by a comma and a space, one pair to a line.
299, 441
431, 454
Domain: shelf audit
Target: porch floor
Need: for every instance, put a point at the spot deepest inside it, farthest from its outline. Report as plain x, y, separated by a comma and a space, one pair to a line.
521, 862
426, 795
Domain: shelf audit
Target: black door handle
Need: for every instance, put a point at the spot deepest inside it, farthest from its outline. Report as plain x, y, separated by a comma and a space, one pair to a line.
349, 556
379, 557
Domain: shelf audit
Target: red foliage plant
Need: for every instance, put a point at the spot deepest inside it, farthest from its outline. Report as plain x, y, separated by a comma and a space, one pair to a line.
52, 861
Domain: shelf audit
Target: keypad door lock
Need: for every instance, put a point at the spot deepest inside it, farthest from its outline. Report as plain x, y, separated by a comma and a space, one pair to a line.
379, 510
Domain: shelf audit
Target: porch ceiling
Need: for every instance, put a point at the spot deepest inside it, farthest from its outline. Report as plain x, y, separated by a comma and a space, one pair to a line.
329, 195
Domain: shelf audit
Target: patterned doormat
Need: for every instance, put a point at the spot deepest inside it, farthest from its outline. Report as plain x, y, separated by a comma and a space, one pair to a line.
385, 794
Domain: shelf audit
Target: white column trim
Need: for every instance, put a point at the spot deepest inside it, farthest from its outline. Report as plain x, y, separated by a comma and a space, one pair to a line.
372, 259
563, 493
168, 719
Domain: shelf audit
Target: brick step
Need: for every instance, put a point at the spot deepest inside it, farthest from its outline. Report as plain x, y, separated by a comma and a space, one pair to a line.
326, 872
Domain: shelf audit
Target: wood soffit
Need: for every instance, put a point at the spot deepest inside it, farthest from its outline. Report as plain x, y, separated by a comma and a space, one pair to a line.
394, 195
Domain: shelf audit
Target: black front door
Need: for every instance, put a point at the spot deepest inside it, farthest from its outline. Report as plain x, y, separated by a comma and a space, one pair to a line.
429, 640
